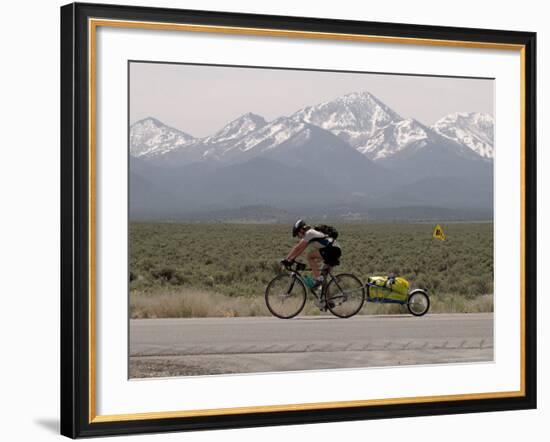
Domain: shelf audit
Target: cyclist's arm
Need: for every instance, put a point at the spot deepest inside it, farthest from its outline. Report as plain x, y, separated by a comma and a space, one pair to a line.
297, 250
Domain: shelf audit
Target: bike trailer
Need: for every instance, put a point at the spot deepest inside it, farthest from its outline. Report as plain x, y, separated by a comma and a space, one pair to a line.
396, 291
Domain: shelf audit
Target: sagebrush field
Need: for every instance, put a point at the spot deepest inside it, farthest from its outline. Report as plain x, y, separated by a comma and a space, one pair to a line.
221, 269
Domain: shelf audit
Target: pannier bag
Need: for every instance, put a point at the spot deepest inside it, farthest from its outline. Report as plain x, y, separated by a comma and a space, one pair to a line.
331, 255
399, 290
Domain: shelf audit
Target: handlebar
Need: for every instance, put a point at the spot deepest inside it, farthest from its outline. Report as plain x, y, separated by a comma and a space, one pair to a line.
295, 266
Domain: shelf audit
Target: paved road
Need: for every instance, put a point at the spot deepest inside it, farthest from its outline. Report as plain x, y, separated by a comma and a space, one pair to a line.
177, 347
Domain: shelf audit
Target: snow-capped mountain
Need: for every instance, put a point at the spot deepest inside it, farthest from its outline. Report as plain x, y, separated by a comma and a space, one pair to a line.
352, 152
289, 141
152, 139
242, 139
472, 129
149, 137
359, 119
354, 117
379, 132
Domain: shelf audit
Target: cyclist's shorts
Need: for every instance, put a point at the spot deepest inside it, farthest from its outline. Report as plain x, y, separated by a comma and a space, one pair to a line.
331, 255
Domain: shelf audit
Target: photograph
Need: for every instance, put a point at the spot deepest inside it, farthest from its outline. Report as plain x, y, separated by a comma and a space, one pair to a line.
287, 220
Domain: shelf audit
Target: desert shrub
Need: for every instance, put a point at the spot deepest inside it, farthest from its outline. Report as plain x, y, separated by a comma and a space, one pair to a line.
164, 273
179, 279
240, 259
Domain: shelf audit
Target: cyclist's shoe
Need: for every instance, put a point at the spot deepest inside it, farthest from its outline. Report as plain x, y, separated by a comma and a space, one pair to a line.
326, 305
321, 304
317, 283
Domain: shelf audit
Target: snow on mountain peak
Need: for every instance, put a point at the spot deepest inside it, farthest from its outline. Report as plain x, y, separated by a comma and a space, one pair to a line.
359, 119
237, 128
353, 117
472, 129
272, 134
393, 138
149, 137
247, 136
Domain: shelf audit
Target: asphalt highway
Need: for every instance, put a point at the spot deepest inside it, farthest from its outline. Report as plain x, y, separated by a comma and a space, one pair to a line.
203, 346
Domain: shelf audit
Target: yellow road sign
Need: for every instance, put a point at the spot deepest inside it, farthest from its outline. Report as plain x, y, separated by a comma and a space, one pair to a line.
438, 233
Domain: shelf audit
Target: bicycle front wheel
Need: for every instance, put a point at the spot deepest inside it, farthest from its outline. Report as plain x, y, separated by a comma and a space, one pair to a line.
345, 295
285, 296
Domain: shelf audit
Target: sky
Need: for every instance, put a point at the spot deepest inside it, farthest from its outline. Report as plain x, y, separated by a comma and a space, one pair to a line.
200, 100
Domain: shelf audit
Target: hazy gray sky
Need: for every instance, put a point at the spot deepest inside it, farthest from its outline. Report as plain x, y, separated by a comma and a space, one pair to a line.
200, 100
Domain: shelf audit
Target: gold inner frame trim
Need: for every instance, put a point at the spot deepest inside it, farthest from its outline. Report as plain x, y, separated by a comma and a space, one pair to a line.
299, 34
297, 407
92, 221
92, 28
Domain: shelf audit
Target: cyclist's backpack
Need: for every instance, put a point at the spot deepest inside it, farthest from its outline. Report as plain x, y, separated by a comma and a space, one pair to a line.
327, 230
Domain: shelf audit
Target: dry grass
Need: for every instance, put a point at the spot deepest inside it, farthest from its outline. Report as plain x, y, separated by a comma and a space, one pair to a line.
461, 304
438, 304
191, 303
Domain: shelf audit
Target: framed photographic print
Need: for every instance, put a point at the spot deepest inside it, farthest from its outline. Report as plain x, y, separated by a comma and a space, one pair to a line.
273, 220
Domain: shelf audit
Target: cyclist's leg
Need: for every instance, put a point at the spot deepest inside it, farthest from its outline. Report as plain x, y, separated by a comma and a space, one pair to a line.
314, 258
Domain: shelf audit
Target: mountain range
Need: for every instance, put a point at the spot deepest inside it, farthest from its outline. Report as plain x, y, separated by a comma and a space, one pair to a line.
353, 154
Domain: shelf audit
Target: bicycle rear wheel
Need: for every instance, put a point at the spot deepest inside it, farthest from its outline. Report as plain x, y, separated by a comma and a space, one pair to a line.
285, 296
345, 295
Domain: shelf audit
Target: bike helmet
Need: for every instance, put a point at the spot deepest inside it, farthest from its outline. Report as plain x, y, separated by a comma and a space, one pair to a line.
298, 225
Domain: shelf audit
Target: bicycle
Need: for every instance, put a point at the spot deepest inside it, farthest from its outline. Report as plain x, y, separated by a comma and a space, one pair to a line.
286, 294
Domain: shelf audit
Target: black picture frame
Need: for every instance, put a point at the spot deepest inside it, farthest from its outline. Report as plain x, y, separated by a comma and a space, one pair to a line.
76, 249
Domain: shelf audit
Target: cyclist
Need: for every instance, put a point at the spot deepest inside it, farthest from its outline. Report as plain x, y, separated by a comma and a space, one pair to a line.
323, 248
